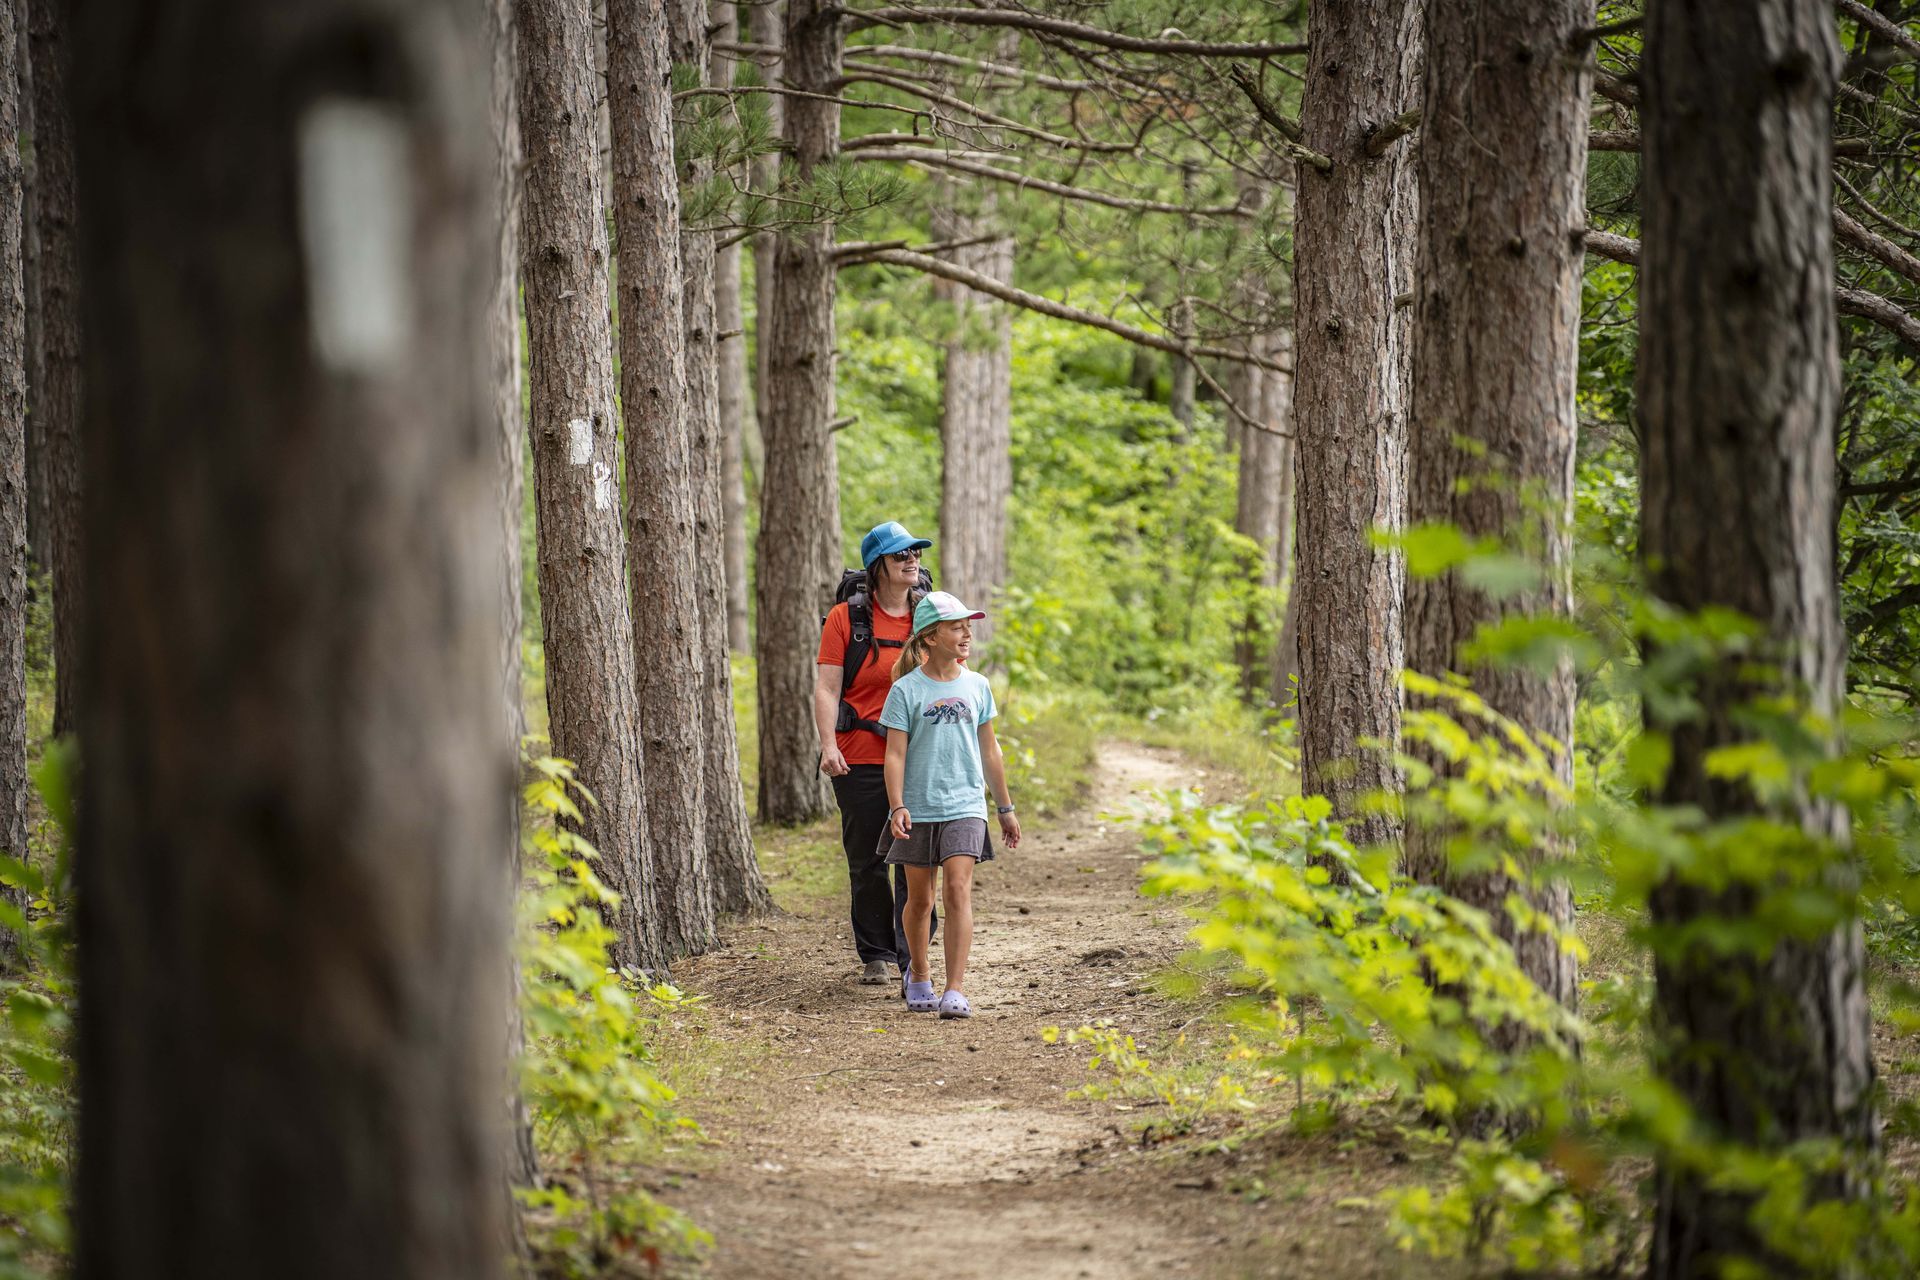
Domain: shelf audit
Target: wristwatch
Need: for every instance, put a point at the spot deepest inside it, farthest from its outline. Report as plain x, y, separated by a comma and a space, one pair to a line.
1006, 808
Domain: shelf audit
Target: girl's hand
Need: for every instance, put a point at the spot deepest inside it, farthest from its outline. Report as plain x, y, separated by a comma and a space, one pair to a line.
1010, 830
900, 822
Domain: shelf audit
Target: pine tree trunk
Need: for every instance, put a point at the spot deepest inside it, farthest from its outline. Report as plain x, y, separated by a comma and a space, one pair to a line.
766, 26
976, 417
661, 476
14, 787
1502, 157
591, 701
799, 552
1183, 383
1353, 255
737, 884
291, 930
732, 392
503, 350
38, 516
1739, 385
56, 323
1264, 506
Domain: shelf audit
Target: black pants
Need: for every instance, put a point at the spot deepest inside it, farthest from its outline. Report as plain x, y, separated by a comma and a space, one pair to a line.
878, 933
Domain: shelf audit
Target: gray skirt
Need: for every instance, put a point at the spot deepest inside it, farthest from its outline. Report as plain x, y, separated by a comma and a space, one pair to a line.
930, 844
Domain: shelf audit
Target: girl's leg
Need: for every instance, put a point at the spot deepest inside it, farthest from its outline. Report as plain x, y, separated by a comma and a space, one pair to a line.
919, 916
956, 875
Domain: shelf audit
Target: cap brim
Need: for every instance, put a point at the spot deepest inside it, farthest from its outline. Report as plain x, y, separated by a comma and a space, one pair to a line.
894, 548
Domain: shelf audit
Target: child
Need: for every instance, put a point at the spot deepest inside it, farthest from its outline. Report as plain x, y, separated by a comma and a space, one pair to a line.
941, 754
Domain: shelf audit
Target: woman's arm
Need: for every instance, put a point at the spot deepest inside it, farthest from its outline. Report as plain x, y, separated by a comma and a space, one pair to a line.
895, 773
995, 766
826, 710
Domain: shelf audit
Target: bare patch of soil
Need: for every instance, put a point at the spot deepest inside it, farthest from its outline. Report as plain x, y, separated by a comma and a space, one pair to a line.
867, 1141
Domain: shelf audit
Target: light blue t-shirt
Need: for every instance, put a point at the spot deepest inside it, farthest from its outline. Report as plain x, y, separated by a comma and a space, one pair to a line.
942, 720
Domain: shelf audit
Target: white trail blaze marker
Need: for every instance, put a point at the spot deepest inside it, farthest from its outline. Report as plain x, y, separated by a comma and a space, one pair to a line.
356, 228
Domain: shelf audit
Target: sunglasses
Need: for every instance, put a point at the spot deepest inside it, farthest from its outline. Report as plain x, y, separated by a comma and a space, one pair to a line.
901, 557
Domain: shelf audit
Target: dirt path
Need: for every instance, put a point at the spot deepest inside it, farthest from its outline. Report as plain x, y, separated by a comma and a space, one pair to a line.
873, 1142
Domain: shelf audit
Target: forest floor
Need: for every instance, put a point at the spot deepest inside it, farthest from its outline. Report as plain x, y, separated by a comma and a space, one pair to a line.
849, 1138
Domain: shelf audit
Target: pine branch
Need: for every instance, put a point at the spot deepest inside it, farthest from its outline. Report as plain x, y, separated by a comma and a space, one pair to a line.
1168, 42
982, 283
947, 160
1884, 312
1882, 26
863, 73
1875, 246
1281, 123
937, 58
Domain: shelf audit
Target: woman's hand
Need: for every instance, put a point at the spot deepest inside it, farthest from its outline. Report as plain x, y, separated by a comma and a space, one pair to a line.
900, 822
1010, 830
832, 763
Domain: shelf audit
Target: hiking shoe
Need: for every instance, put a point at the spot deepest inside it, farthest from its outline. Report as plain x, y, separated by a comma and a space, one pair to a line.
954, 1005
920, 996
873, 973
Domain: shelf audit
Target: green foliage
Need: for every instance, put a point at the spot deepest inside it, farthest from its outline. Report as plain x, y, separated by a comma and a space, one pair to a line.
37, 1003
597, 1103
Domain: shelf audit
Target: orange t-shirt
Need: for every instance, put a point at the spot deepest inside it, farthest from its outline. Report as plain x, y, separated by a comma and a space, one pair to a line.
868, 693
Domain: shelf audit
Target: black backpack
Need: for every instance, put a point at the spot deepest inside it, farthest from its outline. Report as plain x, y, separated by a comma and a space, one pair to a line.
861, 643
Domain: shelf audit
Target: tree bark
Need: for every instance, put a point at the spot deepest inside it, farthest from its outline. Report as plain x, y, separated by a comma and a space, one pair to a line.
592, 706
1353, 255
737, 884
799, 551
1263, 510
729, 317
503, 350
38, 517
14, 787
291, 927
1738, 388
976, 419
56, 324
767, 27
1503, 155
661, 476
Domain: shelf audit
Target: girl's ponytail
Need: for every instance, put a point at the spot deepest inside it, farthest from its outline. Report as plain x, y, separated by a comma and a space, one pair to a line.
910, 655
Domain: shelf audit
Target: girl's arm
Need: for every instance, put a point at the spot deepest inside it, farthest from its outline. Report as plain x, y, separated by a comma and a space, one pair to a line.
899, 821
995, 766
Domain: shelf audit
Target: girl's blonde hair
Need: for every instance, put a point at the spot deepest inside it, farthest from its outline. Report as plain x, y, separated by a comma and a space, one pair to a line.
912, 653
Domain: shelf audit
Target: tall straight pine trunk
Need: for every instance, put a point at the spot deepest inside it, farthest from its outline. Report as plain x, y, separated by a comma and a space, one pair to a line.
737, 884
1503, 152
292, 933
1353, 256
1739, 384
1263, 507
731, 392
976, 420
14, 786
662, 543
56, 327
591, 704
799, 545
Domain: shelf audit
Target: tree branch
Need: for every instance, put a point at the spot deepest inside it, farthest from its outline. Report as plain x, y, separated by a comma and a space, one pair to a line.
1884, 27
946, 160
1629, 140
1875, 246
1587, 35
1850, 302
1024, 21
1282, 124
982, 283
972, 64
859, 74
1382, 136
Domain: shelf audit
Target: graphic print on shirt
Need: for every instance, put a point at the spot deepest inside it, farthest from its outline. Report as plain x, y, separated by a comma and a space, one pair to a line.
949, 711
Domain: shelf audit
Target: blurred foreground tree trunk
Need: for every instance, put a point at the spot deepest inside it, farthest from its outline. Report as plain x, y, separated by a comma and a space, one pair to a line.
1739, 384
503, 351
591, 703
729, 318
1353, 255
14, 786
292, 935
976, 417
799, 545
1503, 154
737, 884
56, 329
664, 552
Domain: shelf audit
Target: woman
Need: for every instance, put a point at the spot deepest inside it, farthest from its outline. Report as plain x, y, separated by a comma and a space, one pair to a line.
853, 746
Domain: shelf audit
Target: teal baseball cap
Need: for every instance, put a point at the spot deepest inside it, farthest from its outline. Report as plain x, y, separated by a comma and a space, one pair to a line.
937, 607
886, 538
